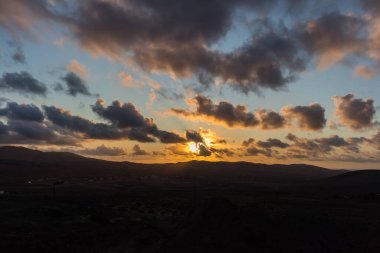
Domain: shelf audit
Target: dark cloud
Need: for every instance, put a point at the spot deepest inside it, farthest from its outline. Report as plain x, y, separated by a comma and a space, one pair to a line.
253, 151
126, 116
23, 83
74, 85
137, 134
319, 146
194, 136
220, 152
333, 35
270, 119
3, 128
333, 141
27, 112
354, 112
203, 151
168, 95
92, 130
32, 132
223, 112
137, 151
166, 137
313, 149
273, 56
89, 129
248, 142
103, 150
146, 30
123, 115
311, 117
371, 5
272, 143
333, 148
18, 56
264, 148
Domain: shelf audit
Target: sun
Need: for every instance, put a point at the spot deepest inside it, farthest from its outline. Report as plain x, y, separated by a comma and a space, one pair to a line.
193, 147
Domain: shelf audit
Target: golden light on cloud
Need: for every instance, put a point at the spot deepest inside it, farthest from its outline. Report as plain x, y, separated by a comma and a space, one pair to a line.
78, 68
208, 140
193, 147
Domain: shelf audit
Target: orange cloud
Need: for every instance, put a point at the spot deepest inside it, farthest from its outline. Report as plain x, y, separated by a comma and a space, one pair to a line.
77, 68
364, 72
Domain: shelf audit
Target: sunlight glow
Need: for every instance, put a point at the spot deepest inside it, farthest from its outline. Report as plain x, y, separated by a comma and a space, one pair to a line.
193, 147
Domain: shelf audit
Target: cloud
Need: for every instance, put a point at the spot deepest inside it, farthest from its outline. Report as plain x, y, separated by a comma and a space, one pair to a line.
144, 30
247, 143
365, 72
23, 15
194, 136
311, 117
27, 112
144, 33
272, 143
126, 79
270, 58
375, 140
22, 82
264, 148
19, 56
167, 94
354, 112
178, 149
3, 128
66, 120
32, 132
319, 146
270, 119
332, 36
331, 148
125, 115
166, 137
74, 85
138, 151
203, 151
253, 151
223, 112
102, 150
76, 67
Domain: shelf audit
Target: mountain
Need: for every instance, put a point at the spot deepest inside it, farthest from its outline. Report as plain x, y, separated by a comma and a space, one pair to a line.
20, 164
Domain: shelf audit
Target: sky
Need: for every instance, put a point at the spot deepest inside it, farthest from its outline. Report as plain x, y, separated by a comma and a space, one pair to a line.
267, 81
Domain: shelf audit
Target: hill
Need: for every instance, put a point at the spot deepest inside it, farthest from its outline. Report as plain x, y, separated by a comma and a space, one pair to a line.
353, 182
20, 164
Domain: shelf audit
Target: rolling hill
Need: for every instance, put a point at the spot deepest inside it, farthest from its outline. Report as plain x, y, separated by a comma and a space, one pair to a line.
20, 164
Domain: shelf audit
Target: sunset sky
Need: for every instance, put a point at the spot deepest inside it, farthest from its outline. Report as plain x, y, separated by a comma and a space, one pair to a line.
286, 81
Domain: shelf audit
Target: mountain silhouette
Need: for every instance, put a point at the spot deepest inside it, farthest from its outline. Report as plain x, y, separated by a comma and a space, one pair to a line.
19, 163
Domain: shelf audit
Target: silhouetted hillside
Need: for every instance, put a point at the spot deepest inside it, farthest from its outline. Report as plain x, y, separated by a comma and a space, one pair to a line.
18, 163
355, 182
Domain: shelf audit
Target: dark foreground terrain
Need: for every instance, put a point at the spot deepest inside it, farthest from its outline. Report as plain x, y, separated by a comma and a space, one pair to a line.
57, 202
